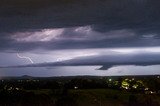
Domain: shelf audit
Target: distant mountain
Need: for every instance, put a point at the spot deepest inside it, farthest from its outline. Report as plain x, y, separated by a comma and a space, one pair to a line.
71, 77
26, 77
17, 77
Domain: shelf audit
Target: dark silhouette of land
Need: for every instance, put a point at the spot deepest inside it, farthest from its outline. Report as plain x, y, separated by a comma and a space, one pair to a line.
80, 91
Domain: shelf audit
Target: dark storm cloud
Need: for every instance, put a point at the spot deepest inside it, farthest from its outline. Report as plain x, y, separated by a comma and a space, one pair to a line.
142, 17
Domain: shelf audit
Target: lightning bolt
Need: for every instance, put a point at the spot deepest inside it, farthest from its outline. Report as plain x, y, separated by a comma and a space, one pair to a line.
24, 57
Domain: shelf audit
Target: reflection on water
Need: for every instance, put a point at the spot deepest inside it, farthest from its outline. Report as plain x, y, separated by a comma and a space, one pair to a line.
80, 70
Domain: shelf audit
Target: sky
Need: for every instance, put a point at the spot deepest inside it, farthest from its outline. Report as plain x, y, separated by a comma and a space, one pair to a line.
79, 37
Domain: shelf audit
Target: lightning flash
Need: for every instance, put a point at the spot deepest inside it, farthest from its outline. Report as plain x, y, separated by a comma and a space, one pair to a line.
24, 57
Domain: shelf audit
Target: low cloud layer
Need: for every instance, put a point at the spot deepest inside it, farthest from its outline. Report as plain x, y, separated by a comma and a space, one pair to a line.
106, 61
